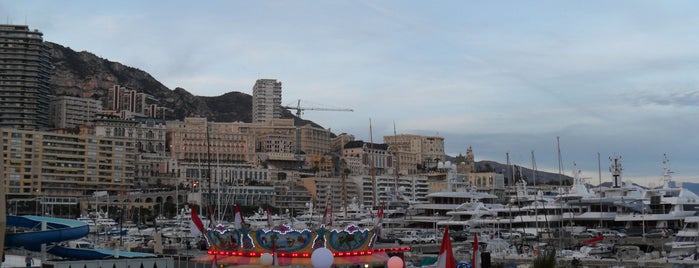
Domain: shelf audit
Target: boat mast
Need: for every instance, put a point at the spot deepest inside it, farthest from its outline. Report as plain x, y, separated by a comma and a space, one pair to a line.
395, 184
208, 164
371, 158
560, 182
599, 194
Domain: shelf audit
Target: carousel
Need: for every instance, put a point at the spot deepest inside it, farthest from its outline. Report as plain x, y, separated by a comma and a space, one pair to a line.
284, 245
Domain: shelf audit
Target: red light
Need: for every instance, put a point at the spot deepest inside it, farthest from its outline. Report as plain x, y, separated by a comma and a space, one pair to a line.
294, 254
282, 254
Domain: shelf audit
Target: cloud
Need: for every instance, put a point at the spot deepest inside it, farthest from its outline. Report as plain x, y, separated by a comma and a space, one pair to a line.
681, 98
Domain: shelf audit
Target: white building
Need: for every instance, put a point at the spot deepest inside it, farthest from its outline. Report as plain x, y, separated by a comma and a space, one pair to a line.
266, 100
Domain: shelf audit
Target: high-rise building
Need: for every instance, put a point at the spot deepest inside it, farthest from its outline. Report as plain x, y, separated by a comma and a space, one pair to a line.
266, 100
128, 103
25, 70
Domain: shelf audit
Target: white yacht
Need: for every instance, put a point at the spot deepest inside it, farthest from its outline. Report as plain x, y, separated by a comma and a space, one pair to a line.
89, 221
663, 207
687, 239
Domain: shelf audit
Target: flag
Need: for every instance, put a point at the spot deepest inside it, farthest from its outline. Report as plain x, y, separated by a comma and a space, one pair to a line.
211, 218
380, 213
197, 221
194, 230
325, 216
446, 255
476, 254
238, 220
269, 219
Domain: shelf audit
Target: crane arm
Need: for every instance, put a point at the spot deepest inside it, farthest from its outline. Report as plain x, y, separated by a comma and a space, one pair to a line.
300, 109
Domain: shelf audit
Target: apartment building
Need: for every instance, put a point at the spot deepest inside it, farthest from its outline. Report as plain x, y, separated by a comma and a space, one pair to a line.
45, 164
72, 112
382, 189
266, 100
25, 70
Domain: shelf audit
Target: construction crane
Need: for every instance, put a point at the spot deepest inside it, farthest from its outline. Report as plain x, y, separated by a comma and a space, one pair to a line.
299, 111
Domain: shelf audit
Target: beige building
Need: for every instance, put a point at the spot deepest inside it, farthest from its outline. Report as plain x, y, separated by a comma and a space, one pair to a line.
147, 135
227, 146
361, 157
197, 146
338, 143
415, 153
315, 140
45, 164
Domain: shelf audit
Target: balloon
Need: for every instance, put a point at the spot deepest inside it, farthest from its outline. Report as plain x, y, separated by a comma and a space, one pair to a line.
395, 262
266, 259
322, 258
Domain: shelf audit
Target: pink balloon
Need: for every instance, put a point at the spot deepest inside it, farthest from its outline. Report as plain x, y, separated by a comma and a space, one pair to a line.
395, 262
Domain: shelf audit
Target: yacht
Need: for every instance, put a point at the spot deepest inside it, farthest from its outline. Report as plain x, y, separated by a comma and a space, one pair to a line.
89, 221
663, 207
686, 240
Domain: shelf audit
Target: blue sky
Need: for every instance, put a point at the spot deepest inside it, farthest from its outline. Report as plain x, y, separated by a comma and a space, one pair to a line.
607, 77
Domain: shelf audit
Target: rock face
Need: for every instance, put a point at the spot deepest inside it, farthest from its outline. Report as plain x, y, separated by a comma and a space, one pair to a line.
83, 74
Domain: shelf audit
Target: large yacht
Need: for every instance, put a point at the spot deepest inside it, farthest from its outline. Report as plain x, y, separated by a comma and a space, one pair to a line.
663, 207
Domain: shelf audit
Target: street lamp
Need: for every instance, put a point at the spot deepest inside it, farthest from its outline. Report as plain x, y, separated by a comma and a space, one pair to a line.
643, 223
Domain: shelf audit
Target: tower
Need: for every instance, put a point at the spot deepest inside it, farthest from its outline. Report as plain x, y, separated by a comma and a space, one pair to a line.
25, 70
266, 100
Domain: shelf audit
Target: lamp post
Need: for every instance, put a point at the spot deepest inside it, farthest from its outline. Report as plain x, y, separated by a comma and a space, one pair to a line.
643, 223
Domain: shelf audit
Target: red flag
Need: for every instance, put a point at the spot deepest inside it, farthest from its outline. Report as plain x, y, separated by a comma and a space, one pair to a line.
380, 213
446, 255
594, 240
476, 254
238, 220
269, 219
197, 220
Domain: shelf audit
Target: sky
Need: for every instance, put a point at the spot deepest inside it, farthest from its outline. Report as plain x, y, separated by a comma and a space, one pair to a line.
520, 78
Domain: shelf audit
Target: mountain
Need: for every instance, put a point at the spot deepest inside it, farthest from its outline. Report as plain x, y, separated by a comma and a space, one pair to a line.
523, 173
83, 74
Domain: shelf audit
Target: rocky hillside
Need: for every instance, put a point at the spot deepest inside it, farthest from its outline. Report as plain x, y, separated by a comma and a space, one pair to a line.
86, 75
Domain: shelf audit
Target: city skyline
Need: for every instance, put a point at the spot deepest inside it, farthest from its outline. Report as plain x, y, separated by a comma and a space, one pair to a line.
607, 78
